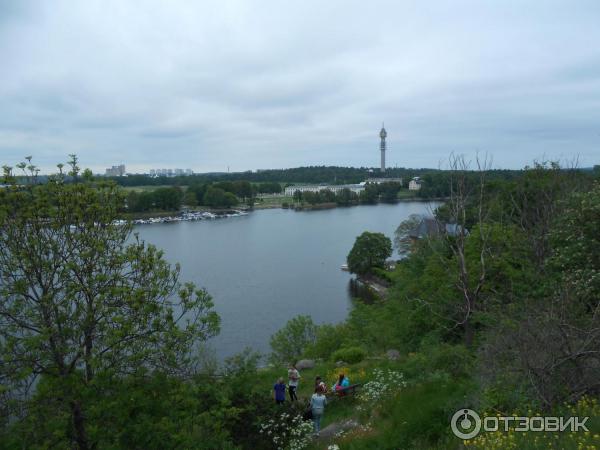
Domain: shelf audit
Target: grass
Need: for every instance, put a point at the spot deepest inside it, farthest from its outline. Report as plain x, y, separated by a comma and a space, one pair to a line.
338, 408
417, 416
406, 194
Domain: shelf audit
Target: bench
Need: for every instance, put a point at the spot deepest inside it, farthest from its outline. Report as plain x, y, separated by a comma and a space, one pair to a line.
348, 390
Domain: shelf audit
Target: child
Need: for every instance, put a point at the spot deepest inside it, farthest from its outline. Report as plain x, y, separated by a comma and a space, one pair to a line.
320, 384
279, 391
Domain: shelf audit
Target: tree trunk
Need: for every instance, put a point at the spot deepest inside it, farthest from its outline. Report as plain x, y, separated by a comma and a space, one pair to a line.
79, 426
468, 329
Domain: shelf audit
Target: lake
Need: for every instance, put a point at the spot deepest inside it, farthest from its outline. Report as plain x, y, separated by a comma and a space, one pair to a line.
264, 268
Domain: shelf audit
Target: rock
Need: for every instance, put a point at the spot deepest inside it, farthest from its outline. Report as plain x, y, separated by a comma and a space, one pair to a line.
330, 431
341, 364
305, 364
393, 354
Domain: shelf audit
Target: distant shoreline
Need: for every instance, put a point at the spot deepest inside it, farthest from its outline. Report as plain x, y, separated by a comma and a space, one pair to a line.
227, 212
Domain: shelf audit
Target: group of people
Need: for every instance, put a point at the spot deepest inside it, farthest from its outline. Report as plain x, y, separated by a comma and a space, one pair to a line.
317, 401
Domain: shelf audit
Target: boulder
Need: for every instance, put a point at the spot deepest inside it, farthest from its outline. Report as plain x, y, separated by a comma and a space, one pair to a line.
341, 364
393, 354
330, 431
305, 364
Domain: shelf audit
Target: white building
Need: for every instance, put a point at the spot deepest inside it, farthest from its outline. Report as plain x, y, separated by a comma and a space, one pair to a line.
414, 184
115, 171
356, 188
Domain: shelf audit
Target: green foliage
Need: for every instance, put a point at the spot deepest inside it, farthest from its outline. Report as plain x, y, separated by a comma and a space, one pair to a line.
81, 301
242, 364
417, 417
269, 188
346, 197
370, 194
218, 198
350, 355
328, 339
190, 199
576, 244
164, 199
289, 343
440, 359
369, 250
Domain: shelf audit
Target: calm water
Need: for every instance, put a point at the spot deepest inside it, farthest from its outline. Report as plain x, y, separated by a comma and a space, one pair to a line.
271, 265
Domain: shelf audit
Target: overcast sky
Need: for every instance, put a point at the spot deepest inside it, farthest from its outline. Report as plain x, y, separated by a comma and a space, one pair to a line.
257, 84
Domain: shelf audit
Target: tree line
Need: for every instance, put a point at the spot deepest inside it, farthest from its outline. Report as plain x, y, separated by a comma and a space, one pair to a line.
386, 192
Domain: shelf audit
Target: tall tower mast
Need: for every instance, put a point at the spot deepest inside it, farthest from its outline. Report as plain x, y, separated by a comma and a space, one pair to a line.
382, 135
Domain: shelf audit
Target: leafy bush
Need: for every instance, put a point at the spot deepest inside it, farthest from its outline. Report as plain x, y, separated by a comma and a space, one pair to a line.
351, 355
291, 341
329, 338
382, 274
454, 360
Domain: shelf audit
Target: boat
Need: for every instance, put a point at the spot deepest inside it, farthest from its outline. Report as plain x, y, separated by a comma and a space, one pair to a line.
344, 267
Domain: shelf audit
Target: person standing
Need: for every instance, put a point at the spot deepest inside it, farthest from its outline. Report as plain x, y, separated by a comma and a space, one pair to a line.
279, 391
317, 404
293, 381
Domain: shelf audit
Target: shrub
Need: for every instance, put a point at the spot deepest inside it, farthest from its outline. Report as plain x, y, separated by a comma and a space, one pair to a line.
291, 341
329, 339
453, 360
351, 355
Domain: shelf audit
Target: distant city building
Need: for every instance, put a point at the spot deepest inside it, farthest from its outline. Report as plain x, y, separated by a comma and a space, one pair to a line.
356, 188
115, 171
382, 146
414, 184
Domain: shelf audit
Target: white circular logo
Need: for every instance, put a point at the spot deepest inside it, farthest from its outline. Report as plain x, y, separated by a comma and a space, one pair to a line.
465, 423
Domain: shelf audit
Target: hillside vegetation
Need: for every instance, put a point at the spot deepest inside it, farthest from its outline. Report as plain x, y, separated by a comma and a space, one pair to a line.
502, 317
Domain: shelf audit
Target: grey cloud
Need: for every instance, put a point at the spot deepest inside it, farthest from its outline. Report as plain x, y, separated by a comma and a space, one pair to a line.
272, 84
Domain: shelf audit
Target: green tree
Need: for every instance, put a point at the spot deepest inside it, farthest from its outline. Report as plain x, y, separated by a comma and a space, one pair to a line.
370, 194
346, 197
289, 343
369, 250
190, 199
82, 301
389, 191
229, 200
214, 197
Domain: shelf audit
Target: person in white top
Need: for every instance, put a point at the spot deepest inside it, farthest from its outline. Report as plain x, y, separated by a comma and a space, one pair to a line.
293, 381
